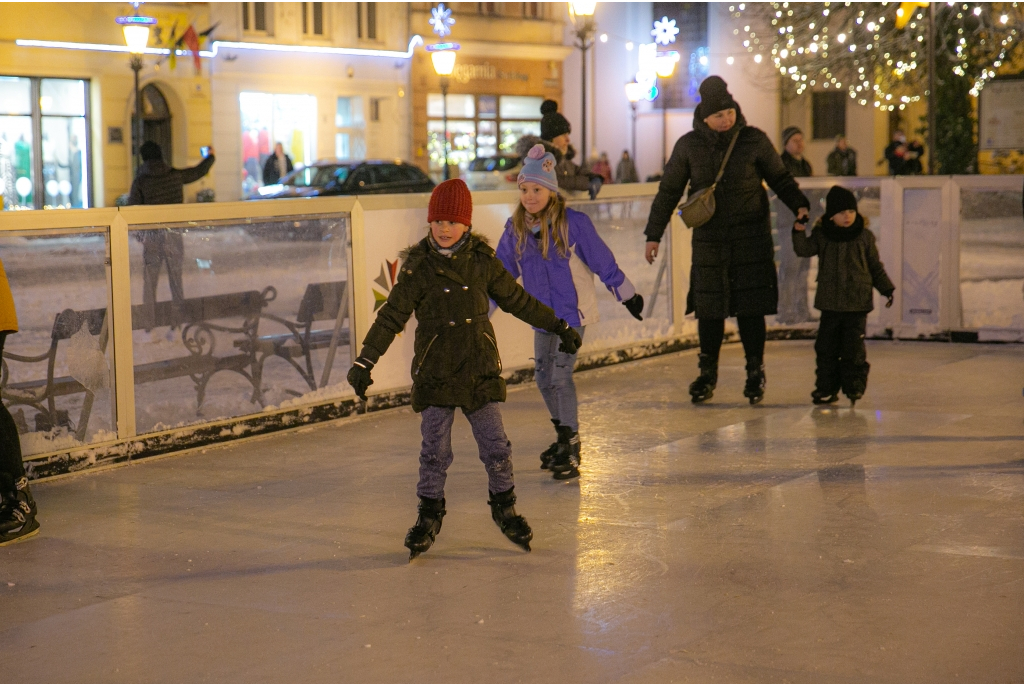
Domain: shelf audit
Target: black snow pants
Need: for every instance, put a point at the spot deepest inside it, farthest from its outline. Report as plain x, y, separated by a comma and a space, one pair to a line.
11, 466
842, 357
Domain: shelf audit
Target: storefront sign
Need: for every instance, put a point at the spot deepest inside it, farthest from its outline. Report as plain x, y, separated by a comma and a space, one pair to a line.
464, 73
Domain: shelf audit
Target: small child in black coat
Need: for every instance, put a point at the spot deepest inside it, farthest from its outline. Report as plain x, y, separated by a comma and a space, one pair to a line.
848, 268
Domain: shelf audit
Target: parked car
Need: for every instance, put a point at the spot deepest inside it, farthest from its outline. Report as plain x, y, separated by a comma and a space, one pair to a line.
493, 173
348, 177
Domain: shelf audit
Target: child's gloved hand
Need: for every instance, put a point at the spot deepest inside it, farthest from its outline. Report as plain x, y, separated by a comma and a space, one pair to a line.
359, 376
635, 305
571, 340
595, 185
888, 301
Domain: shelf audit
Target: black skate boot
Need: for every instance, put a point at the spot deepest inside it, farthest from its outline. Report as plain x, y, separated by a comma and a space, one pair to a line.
428, 525
822, 397
704, 387
549, 454
514, 526
566, 463
18, 514
754, 389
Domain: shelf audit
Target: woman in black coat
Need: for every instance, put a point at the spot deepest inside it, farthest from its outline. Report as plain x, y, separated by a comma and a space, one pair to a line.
733, 269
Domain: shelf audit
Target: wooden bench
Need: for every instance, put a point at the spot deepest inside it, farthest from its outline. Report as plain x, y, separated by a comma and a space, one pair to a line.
196, 316
320, 302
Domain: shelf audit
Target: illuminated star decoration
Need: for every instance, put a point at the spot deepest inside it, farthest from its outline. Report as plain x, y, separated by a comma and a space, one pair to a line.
441, 20
665, 31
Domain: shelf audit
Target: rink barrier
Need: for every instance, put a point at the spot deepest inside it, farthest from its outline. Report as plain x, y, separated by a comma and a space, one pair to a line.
921, 253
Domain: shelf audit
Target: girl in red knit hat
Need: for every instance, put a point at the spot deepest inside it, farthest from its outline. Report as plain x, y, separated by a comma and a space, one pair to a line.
448, 280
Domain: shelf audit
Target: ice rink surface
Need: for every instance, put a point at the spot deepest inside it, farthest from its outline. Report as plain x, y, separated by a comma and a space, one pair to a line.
720, 542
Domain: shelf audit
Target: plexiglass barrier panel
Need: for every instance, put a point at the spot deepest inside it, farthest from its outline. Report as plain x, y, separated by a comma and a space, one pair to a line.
620, 224
991, 259
57, 380
238, 317
798, 280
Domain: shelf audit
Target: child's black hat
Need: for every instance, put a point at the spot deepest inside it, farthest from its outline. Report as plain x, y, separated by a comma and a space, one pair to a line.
839, 199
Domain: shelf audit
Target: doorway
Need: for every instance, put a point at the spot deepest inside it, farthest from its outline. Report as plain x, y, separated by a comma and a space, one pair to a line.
156, 121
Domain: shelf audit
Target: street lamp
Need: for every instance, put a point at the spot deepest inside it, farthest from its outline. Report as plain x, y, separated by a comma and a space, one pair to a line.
136, 37
582, 13
664, 66
634, 93
442, 55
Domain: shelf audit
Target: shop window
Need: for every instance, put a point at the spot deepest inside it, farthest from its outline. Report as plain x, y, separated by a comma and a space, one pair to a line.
520, 107
255, 17
461, 142
312, 18
487, 106
349, 138
459, 106
828, 112
487, 139
512, 131
366, 20
269, 118
44, 158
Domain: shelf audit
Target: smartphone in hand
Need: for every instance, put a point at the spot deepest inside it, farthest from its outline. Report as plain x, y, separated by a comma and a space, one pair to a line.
205, 151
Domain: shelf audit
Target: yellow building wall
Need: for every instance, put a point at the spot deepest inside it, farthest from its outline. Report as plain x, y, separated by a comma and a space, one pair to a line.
112, 80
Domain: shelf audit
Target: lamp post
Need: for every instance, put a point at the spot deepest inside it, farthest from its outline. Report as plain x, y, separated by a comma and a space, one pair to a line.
442, 55
136, 37
665, 65
634, 93
582, 13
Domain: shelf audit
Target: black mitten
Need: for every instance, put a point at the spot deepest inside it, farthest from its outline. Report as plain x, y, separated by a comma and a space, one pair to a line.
635, 305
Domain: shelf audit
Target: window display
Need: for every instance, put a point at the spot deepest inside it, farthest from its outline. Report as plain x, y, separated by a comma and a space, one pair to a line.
461, 137
269, 118
52, 172
350, 138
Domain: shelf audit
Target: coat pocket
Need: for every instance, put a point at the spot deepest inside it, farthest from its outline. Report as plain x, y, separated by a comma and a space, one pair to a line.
494, 347
423, 357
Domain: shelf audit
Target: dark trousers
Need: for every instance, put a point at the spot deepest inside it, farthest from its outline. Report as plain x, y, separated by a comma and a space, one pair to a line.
752, 335
11, 466
162, 248
842, 357
436, 453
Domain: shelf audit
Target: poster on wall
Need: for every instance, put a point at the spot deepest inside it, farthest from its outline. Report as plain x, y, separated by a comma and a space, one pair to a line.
922, 251
1001, 115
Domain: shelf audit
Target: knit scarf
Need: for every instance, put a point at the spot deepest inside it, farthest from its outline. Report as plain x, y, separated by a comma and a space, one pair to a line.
842, 235
448, 251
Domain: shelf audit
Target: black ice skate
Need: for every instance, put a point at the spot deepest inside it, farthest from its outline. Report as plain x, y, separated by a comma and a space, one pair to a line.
704, 387
18, 514
566, 463
428, 525
514, 526
549, 454
820, 397
754, 388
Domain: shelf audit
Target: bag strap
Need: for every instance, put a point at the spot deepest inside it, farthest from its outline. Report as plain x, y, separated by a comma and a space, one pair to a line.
727, 154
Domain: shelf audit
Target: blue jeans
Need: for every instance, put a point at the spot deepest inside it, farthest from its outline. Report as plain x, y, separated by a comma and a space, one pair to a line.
553, 372
436, 454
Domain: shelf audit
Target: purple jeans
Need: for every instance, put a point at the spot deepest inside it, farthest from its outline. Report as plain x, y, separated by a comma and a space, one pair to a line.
436, 454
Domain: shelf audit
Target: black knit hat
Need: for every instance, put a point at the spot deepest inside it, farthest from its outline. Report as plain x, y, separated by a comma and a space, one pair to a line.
715, 96
789, 132
839, 199
553, 124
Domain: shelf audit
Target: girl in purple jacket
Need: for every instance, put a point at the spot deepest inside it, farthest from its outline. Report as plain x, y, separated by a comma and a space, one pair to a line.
556, 251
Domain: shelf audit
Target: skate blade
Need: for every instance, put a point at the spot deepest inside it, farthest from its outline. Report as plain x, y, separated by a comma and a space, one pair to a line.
21, 538
697, 399
413, 555
756, 400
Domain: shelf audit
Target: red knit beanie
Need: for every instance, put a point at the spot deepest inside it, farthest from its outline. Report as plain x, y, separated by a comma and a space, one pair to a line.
451, 201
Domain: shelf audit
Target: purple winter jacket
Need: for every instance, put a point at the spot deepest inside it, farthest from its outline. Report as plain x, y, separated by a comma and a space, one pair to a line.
566, 284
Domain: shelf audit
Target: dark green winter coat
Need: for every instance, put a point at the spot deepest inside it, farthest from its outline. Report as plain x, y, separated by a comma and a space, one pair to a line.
848, 265
733, 267
456, 362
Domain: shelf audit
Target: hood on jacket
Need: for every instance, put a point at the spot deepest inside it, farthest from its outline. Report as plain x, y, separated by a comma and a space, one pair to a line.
714, 137
524, 144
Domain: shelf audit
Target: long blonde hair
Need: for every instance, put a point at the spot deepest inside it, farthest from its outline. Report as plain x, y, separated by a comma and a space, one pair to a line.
553, 220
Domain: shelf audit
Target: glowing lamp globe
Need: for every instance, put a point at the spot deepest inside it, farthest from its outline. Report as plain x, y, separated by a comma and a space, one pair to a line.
583, 8
444, 62
136, 32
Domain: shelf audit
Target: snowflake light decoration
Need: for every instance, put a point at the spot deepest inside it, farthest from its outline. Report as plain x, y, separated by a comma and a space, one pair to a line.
665, 31
441, 20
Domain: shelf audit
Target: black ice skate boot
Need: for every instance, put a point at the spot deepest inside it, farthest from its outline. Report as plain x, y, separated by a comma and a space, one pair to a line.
428, 525
549, 454
514, 526
824, 397
704, 387
18, 514
566, 463
754, 389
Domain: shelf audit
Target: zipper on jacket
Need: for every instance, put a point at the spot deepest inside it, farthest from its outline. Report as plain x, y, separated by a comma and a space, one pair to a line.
423, 359
496, 354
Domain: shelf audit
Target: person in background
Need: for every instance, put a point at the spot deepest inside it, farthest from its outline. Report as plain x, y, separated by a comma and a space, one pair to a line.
842, 161
157, 183
793, 270
602, 167
555, 137
75, 171
625, 170
904, 157
278, 166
